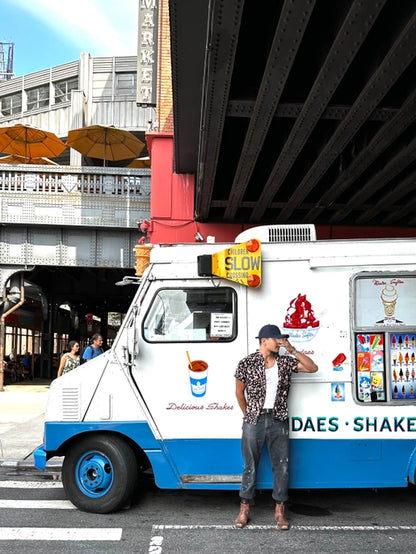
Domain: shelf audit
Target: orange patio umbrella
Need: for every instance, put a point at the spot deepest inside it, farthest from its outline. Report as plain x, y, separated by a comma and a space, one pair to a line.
140, 162
15, 159
105, 142
29, 142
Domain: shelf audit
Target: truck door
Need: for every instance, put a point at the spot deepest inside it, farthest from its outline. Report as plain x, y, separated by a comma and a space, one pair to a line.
191, 336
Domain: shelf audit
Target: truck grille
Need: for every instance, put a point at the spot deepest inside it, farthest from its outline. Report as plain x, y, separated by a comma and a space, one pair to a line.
71, 405
279, 233
292, 233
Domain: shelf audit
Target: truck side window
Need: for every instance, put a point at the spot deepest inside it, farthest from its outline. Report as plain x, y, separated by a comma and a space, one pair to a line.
191, 315
384, 337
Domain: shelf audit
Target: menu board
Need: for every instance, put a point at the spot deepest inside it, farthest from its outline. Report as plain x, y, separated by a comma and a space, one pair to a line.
370, 364
402, 365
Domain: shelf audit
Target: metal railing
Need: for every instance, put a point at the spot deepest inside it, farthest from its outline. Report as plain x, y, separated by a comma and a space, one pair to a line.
90, 196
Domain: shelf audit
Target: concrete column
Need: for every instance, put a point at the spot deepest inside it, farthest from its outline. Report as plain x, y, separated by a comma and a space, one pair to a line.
77, 121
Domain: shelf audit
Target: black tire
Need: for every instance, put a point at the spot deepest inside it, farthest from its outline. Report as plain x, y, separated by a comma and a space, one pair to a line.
99, 473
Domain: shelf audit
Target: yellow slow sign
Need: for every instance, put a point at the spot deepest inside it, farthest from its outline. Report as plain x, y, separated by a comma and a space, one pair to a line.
240, 263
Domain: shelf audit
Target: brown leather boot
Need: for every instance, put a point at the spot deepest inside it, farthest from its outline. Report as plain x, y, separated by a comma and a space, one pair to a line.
242, 517
279, 516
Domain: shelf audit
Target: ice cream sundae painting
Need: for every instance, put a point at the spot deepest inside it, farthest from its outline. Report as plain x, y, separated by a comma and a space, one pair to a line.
300, 319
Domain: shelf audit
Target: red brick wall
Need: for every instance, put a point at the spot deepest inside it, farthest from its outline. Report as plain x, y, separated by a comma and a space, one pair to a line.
164, 80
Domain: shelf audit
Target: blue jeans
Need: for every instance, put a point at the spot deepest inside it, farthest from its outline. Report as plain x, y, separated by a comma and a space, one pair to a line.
276, 435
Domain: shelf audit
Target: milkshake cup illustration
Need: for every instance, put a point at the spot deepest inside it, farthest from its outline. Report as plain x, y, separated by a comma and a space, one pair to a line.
389, 297
198, 376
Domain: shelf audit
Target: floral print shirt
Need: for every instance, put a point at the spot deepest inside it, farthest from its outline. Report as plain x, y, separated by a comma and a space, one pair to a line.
251, 372
70, 364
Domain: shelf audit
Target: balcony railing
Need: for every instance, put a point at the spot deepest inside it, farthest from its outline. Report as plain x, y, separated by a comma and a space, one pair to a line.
67, 195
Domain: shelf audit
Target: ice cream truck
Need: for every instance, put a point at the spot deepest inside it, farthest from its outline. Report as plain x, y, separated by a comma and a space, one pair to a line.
162, 399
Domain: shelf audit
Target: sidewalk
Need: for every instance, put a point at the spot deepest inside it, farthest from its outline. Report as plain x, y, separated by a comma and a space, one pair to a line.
22, 408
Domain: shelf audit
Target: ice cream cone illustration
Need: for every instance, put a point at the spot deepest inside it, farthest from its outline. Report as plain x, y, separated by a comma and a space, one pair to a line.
389, 297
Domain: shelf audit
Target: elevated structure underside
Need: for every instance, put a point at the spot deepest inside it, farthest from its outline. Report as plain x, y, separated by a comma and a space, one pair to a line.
297, 111
79, 269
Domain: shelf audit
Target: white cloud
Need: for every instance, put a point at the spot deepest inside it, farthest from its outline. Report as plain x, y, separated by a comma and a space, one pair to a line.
100, 27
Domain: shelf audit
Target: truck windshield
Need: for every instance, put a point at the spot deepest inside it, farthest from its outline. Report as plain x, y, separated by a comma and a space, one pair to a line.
194, 314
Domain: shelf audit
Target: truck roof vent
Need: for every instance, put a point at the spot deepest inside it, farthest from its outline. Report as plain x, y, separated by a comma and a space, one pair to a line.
279, 233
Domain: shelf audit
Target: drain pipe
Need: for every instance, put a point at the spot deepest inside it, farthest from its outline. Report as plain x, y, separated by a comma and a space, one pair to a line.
3, 326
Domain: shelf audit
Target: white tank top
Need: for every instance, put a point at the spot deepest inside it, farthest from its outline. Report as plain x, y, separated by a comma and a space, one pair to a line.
272, 380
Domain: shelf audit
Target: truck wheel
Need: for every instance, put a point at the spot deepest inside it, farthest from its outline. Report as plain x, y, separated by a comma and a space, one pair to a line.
99, 473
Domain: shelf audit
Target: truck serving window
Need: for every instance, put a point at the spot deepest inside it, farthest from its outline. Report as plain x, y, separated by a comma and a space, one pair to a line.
384, 337
191, 315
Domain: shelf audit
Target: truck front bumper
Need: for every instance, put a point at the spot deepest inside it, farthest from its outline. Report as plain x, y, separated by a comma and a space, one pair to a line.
40, 457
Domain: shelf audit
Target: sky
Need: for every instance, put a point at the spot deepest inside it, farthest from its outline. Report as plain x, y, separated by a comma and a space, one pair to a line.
46, 33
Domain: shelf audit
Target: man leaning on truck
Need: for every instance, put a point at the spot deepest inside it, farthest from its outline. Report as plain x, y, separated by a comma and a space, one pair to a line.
262, 389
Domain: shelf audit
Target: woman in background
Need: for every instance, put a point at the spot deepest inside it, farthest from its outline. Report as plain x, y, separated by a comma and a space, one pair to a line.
70, 360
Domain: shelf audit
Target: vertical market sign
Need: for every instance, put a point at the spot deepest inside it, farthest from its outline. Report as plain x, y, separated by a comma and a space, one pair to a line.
240, 263
147, 52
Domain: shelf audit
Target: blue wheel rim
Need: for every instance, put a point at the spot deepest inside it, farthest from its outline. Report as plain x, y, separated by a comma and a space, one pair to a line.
94, 474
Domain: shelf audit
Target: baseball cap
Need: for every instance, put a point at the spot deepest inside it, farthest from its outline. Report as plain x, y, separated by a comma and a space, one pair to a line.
271, 332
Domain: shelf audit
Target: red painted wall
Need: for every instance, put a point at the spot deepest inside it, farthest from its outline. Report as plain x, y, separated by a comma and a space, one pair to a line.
172, 201
357, 232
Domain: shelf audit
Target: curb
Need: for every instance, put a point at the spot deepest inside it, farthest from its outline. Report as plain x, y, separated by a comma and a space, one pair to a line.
25, 465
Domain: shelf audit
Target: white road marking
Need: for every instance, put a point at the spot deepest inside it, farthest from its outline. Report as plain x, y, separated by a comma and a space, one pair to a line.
294, 527
38, 504
31, 485
156, 541
59, 534
155, 545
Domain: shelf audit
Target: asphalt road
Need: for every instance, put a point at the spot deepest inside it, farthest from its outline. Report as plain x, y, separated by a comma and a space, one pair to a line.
36, 516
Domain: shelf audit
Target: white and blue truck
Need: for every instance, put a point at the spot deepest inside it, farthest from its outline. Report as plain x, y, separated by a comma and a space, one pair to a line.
163, 397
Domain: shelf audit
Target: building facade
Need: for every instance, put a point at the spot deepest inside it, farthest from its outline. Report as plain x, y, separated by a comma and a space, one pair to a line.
68, 231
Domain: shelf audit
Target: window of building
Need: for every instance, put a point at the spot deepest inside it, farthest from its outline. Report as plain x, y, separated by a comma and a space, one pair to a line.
38, 97
63, 90
126, 83
192, 315
11, 104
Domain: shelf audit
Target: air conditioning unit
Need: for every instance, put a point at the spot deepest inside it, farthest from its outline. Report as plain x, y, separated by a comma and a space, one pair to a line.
279, 233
